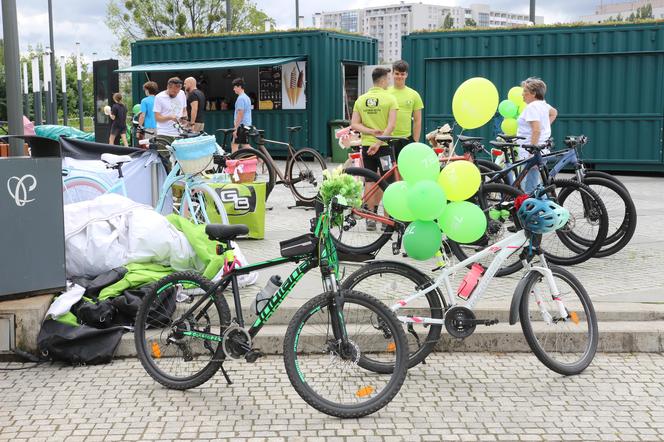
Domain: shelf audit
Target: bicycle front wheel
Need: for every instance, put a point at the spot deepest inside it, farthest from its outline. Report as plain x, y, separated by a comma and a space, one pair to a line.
391, 282
343, 380
304, 173
181, 349
562, 332
203, 206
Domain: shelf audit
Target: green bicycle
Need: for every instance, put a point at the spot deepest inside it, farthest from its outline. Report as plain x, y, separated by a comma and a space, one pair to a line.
345, 353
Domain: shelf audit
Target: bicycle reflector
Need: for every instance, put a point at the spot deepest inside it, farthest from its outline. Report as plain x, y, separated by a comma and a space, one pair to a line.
156, 351
519, 200
574, 317
391, 347
364, 391
496, 152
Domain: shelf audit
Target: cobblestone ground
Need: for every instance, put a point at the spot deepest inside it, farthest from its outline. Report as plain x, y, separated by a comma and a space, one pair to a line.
453, 397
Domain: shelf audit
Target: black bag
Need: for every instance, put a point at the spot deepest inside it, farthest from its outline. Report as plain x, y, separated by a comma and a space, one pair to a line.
78, 345
301, 245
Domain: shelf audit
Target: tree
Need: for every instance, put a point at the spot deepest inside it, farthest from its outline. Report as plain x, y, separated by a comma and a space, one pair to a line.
471, 23
137, 19
448, 23
644, 12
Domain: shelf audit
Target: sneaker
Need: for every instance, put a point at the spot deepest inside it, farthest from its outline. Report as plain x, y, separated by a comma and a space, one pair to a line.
371, 225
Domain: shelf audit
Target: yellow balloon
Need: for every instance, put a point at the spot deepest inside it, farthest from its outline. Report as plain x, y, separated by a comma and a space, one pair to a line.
509, 126
475, 102
515, 95
459, 180
522, 106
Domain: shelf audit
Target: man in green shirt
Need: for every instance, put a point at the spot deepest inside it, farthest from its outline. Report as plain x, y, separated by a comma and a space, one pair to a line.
375, 113
409, 117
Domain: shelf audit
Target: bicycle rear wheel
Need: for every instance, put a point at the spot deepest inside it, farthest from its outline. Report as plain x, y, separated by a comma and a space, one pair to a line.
355, 237
391, 282
343, 380
565, 343
180, 350
264, 171
204, 203
77, 189
304, 172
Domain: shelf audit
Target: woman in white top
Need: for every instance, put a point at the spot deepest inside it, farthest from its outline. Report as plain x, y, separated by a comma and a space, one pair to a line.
534, 124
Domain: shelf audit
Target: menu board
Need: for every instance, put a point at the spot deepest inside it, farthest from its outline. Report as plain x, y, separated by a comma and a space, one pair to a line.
269, 90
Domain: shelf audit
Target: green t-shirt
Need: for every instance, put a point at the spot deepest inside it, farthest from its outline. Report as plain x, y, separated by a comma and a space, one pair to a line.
408, 101
374, 108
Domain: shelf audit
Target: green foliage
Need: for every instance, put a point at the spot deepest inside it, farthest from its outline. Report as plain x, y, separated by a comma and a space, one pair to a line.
3, 83
339, 184
471, 23
135, 20
448, 23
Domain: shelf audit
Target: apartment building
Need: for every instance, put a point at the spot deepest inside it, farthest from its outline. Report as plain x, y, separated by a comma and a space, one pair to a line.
389, 23
606, 11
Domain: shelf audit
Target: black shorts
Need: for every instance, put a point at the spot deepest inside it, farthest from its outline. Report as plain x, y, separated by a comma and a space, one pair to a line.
242, 136
401, 144
374, 162
117, 130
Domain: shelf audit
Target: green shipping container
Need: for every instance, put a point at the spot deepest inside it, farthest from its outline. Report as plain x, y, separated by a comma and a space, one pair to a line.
605, 80
218, 59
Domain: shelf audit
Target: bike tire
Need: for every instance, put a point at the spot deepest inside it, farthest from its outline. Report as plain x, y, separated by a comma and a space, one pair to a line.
297, 167
152, 324
202, 194
489, 169
496, 229
543, 348
271, 177
401, 281
384, 337
598, 217
621, 212
375, 241
77, 189
606, 176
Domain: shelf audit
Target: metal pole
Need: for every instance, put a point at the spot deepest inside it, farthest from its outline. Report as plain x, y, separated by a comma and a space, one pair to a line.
36, 89
26, 91
79, 84
63, 77
13, 73
297, 14
532, 11
46, 69
54, 100
228, 16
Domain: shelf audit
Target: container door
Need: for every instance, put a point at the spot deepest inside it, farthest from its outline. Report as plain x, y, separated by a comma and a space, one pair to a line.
106, 83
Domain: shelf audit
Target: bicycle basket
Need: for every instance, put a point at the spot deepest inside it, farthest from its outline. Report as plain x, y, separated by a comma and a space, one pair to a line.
298, 246
242, 171
194, 154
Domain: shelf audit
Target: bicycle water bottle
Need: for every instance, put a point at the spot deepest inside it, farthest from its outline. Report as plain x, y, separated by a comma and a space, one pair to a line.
470, 281
266, 293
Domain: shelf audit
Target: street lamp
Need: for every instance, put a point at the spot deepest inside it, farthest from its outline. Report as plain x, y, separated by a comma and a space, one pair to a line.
79, 84
63, 77
26, 90
46, 66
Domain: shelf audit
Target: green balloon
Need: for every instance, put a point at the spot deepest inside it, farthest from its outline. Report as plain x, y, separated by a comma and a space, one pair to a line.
136, 109
508, 109
418, 162
421, 240
509, 126
395, 201
463, 222
426, 200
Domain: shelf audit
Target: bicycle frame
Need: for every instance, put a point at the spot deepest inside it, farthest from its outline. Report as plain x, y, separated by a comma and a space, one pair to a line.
502, 250
326, 259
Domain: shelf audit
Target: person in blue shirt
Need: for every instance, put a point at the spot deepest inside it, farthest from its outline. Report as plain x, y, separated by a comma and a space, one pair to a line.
241, 117
146, 119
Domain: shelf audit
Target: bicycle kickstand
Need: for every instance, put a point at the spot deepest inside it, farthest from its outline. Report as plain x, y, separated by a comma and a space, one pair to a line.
223, 371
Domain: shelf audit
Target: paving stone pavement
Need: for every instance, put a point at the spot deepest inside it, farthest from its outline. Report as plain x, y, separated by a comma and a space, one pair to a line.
460, 396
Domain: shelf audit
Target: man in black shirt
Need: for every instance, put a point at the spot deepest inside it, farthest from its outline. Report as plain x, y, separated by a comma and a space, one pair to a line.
195, 105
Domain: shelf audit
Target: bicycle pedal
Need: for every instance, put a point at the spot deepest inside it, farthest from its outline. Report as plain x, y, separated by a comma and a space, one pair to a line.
253, 355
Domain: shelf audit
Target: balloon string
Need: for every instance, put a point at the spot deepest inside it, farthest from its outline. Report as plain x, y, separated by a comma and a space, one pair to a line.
453, 150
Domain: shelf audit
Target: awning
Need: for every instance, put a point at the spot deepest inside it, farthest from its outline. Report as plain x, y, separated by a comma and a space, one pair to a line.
209, 65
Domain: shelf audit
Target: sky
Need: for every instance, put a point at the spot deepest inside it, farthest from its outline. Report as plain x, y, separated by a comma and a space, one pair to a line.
83, 20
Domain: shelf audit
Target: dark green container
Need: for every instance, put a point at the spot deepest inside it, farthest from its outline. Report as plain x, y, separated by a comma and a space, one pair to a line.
605, 81
324, 51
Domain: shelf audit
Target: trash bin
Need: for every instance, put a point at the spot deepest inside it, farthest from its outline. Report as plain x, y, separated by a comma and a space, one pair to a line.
339, 155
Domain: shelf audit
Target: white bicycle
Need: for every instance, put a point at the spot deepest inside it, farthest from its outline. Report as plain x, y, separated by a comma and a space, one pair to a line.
556, 314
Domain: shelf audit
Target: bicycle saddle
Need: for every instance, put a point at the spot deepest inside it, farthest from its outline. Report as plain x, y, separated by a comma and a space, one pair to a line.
114, 160
294, 128
226, 131
511, 138
464, 138
501, 145
390, 138
222, 232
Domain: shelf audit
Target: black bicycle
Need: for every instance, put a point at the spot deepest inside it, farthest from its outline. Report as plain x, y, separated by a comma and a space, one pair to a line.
345, 352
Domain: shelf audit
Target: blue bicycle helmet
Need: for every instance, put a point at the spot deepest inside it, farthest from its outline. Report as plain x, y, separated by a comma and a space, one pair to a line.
542, 216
